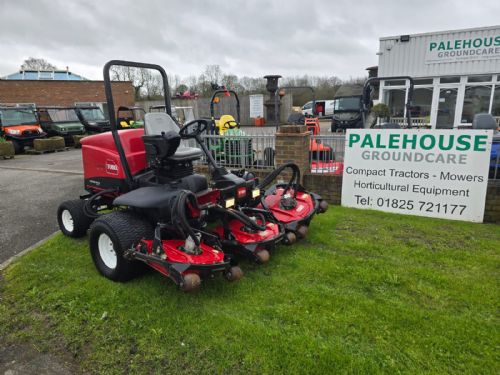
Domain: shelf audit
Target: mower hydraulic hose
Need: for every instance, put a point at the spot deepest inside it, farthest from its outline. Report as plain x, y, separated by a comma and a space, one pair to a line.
294, 180
240, 217
87, 207
179, 213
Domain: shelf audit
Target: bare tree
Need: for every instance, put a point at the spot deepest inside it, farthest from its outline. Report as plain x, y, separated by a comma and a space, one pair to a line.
33, 63
146, 84
213, 73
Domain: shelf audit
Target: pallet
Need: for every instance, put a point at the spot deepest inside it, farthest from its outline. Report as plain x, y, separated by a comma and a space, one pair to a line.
35, 152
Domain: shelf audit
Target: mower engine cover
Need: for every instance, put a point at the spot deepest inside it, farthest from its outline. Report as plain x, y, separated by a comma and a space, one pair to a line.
102, 167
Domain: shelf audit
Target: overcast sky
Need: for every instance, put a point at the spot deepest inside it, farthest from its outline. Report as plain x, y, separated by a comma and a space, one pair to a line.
245, 37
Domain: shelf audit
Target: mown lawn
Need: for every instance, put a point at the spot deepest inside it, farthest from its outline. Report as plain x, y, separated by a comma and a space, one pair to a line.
367, 292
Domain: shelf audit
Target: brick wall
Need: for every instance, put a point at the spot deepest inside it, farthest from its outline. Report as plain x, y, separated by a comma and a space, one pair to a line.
492, 205
63, 93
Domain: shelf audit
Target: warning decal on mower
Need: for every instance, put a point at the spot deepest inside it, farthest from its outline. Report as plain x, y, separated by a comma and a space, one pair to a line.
111, 167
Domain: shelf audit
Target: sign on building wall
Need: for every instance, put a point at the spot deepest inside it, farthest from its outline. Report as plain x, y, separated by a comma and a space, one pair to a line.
442, 49
437, 173
256, 105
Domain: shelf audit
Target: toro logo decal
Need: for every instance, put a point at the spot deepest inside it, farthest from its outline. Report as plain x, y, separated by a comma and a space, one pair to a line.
111, 167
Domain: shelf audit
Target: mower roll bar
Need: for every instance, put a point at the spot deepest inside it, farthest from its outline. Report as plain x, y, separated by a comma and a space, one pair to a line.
216, 93
365, 97
111, 107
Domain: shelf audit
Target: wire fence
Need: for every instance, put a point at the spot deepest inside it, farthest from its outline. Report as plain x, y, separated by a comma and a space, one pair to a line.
239, 151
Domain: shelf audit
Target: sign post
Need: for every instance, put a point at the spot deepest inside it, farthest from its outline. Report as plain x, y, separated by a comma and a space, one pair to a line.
436, 173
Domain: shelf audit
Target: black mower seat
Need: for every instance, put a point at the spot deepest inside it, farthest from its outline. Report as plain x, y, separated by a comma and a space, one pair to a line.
147, 197
157, 123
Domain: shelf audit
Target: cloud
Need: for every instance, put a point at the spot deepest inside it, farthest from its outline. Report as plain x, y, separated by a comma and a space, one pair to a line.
252, 38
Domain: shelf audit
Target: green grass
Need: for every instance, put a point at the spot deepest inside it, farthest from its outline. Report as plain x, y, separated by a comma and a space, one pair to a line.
366, 292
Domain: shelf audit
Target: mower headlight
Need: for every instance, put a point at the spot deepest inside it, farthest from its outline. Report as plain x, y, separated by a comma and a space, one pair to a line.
14, 131
255, 193
229, 202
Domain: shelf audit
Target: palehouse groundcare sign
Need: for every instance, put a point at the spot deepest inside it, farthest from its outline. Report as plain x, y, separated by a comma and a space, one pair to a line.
436, 173
474, 48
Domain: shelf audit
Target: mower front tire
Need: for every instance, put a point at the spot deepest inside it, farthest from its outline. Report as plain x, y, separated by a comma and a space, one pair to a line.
72, 219
112, 234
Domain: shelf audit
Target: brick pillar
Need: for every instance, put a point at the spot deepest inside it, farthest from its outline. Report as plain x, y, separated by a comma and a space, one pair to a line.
292, 145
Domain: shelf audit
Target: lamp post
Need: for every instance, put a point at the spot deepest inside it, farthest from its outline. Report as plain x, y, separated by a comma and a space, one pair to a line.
272, 104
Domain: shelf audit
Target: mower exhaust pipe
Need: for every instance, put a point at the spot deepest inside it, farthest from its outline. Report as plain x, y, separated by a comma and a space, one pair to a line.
323, 207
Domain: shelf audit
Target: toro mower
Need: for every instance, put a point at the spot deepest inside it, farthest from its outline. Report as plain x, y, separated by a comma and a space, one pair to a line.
160, 207
20, 126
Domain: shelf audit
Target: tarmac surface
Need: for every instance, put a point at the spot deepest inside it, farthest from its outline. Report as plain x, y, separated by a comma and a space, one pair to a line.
31, 188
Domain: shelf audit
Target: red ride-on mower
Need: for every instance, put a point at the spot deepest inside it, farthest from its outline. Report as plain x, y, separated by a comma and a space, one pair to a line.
158, 204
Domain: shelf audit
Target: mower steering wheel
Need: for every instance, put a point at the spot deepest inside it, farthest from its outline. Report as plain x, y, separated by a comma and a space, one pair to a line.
231, 124
193, 128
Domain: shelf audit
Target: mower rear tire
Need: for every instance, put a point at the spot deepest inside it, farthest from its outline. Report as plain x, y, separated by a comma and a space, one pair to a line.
112, 234
262, 256
234, 274
72, 219
191, 283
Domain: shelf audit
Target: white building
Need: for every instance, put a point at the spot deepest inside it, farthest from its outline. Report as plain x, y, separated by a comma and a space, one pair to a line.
456, 74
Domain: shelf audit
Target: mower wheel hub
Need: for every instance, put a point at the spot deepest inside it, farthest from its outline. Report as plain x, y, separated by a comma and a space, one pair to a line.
107, 251
67, 221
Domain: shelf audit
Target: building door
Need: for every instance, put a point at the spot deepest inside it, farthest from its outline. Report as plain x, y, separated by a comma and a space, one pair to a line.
446, 108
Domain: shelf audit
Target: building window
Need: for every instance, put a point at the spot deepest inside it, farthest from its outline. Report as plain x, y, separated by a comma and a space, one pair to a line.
454, 79
422, 103
495, 108
476, 100
425, 81
401, 82
479, 79
395, 100
45, 75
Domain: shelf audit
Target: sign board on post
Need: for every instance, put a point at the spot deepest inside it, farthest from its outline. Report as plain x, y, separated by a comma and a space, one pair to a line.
256, 106
435, 173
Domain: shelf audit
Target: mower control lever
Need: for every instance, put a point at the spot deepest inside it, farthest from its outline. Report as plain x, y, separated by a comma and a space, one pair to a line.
193, 128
